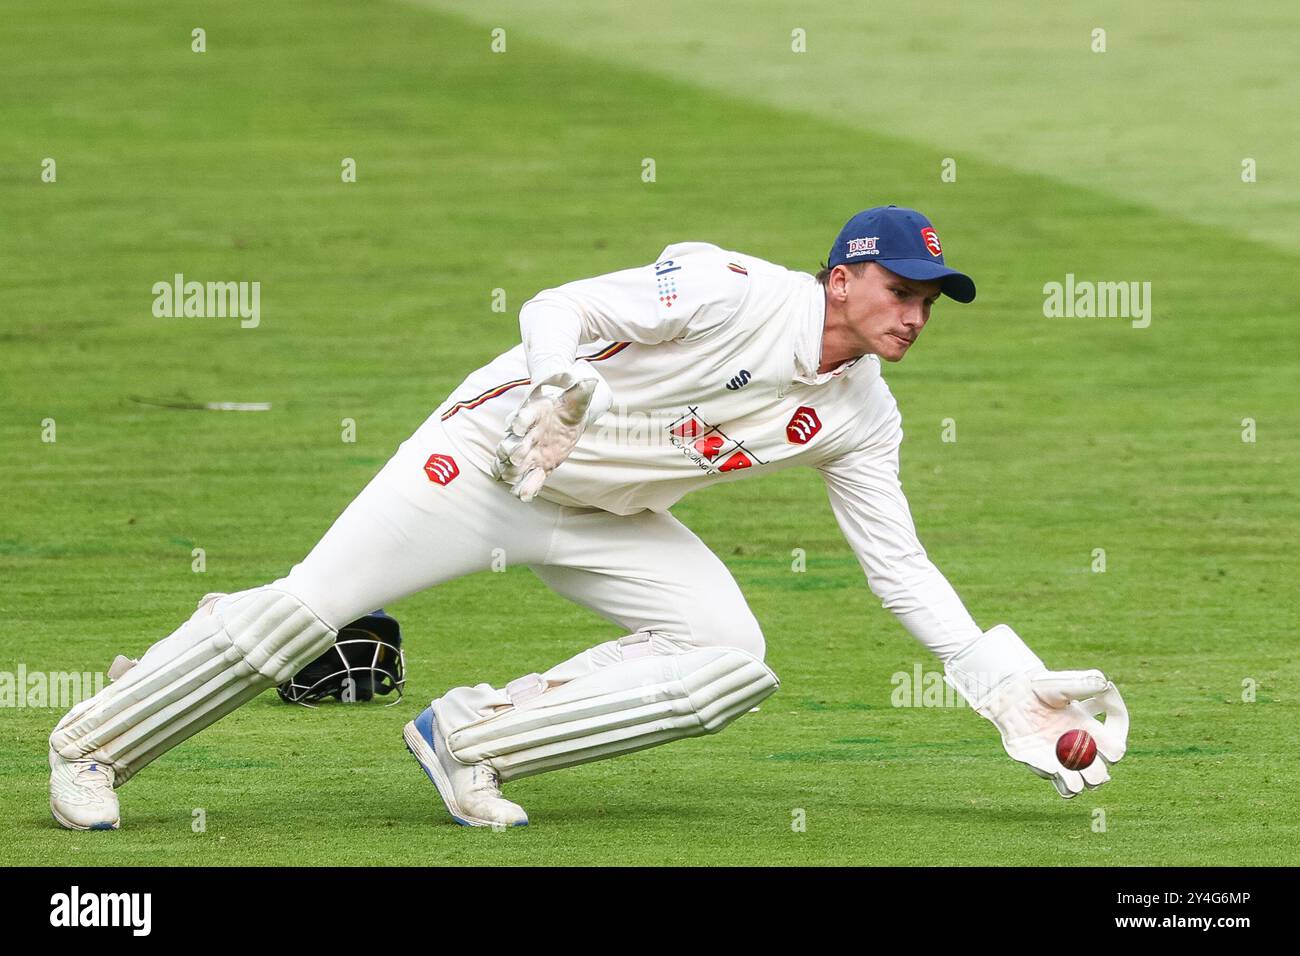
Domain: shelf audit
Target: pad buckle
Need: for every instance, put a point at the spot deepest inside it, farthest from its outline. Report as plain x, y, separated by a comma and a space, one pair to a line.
526, 688
636, 645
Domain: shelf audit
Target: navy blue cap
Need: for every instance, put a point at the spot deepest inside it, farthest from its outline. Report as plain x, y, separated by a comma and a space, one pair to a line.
903, 241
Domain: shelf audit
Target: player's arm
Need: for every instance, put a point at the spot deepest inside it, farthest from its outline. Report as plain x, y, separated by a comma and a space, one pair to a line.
684, 296
995, 671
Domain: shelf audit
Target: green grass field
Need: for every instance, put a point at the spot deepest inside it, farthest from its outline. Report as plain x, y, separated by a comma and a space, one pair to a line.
521, 170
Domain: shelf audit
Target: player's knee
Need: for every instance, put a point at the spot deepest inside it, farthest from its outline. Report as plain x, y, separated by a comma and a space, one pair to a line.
750, 639
274, 631
735, 626
326, 600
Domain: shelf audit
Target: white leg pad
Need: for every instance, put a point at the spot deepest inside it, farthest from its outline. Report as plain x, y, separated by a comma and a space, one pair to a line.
617, 709
227, 653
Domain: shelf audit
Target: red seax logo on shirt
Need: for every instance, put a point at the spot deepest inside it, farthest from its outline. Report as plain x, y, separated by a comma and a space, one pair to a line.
803, 424
441, 468
932, 241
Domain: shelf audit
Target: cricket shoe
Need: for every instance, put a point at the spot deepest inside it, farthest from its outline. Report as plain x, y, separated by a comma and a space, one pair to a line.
82, 795
472, 792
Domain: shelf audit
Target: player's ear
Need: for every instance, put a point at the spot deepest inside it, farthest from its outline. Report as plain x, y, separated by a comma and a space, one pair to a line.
838, 288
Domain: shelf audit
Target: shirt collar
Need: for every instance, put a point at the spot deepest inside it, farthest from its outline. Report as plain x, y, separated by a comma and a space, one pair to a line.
810, 325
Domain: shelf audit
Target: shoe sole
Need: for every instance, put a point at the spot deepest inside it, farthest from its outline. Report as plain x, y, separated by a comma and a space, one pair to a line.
428, 761
69, 825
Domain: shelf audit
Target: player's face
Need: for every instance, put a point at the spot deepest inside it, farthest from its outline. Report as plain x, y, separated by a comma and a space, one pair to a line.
887, 310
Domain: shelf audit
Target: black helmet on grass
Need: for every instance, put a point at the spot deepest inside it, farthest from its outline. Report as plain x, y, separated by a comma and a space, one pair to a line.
366, 660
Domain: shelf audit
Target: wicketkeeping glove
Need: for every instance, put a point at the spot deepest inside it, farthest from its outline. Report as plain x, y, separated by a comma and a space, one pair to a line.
546, 426
1004, 681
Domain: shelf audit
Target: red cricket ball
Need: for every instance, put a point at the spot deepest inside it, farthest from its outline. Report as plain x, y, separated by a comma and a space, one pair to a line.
1076, 749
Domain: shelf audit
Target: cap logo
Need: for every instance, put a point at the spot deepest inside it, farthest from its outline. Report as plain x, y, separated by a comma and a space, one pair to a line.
932, 241
863, 247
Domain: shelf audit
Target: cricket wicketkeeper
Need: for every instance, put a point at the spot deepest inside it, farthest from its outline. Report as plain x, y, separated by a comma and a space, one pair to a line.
566, 453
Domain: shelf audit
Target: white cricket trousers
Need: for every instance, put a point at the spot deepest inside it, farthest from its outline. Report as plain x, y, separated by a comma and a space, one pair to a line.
406, 532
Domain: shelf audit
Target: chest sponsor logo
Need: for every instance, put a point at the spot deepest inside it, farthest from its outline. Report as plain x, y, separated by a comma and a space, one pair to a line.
708, 446
441, 469
803, 425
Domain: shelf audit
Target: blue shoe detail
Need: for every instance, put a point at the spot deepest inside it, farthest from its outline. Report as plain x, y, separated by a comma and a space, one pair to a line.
424, 724
424, 727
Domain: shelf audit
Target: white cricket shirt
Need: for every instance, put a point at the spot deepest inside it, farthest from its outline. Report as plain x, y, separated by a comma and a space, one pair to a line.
711, 358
